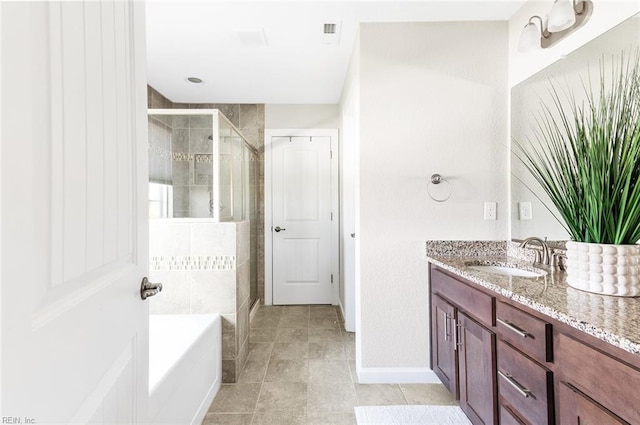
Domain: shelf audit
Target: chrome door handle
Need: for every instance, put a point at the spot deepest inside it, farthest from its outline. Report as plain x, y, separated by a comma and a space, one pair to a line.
148, 289
457, 329
278, 229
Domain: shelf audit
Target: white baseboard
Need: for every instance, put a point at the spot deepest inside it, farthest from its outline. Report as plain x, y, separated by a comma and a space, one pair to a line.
397, 375
346, 328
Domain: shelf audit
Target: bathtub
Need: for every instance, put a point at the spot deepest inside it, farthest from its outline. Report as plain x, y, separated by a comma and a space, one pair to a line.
185, 366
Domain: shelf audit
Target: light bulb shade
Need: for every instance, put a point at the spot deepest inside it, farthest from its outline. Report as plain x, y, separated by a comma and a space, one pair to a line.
562, 16
529, 38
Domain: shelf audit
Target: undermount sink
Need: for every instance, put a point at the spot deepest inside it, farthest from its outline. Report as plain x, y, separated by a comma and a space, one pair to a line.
508, 270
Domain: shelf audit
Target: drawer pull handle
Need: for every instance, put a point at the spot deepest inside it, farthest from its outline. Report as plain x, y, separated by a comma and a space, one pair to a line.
515, 384
514, 328
447, 336
458, 334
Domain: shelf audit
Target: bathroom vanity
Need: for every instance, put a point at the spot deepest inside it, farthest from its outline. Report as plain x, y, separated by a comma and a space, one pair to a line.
531, 350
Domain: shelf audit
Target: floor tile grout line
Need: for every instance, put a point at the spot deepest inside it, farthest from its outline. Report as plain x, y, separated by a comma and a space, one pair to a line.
403, 394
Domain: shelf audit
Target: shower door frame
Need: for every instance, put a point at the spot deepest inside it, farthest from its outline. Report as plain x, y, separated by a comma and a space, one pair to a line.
216, 115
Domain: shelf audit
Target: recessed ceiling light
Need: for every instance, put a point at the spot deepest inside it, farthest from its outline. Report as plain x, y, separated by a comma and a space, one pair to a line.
195, 80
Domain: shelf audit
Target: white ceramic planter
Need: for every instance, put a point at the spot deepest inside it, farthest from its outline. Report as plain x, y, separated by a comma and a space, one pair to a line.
604, 269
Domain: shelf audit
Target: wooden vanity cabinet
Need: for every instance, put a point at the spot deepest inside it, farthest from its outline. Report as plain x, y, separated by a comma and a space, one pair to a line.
477, 371
525, 383
464, 347
575, 408
444, 353
594, 387
511, 365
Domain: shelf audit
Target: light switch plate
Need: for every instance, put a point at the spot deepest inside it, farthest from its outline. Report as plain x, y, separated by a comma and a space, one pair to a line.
490, 210
524, 211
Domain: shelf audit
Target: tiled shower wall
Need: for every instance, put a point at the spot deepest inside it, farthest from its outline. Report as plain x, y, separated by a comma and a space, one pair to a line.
249, 119
204, 267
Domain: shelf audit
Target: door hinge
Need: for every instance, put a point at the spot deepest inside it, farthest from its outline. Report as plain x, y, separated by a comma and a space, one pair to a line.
332, 216
331, 154
332, 278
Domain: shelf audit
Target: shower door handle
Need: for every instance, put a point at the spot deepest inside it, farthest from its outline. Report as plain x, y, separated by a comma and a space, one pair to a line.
278, 229
148, 289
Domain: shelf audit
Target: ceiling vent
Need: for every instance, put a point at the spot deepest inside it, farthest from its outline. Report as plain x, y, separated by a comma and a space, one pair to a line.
329, 28
331, 33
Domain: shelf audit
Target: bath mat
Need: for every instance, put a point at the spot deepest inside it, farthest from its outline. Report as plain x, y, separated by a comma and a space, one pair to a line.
411, 415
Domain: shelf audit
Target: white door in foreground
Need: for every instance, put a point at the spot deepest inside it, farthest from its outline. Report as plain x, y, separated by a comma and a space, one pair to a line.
301, 220
74, 329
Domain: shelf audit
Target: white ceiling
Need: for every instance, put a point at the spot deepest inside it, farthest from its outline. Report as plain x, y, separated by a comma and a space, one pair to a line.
200, 38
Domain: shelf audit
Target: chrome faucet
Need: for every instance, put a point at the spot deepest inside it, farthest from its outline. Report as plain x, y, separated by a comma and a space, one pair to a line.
542, 257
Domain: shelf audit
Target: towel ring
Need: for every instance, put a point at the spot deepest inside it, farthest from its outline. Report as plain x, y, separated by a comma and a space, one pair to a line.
436, 179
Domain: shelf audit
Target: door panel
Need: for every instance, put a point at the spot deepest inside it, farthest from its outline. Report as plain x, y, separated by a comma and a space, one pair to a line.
302, 265
74, 238
443, 340
301, 192
478, 389
301, 188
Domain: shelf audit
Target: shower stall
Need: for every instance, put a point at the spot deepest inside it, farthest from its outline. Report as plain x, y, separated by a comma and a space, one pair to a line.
203, 224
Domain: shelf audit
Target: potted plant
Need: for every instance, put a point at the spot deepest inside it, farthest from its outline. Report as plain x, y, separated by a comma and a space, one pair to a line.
586, 157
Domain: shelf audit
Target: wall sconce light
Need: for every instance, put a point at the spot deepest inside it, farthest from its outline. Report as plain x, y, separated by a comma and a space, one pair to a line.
565, 17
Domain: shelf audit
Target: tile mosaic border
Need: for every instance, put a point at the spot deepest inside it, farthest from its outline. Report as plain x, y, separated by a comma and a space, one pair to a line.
201, 262
204, 157
158, 152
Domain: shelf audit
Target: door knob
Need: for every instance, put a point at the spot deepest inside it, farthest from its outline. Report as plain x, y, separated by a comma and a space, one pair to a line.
148, 289
278, 229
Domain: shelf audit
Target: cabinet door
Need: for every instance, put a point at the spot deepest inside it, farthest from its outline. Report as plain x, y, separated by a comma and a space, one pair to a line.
577, 409
443, 344
477, 358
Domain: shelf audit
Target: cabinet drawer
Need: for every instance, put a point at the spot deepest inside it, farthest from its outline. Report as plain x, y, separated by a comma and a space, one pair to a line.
611, 383
577, 409
507, 417
474, 302
525, 332
524, 386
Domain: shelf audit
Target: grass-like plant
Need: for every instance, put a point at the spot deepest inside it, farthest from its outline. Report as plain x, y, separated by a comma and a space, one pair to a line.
586, 155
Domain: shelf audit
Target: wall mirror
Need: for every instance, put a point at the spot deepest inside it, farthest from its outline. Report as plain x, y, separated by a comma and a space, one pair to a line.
529, 217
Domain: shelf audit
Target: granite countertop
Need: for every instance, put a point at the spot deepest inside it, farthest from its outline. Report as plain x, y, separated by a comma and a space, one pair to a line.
615, 320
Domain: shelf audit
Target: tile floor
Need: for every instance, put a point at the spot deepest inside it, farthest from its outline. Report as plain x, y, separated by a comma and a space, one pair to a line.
301, 371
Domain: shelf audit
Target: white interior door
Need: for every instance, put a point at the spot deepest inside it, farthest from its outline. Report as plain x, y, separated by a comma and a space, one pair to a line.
301, 222
74, 330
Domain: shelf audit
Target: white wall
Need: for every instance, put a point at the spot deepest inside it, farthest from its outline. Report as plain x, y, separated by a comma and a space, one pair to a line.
349, 166
301, 116
606, 15
433, 99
